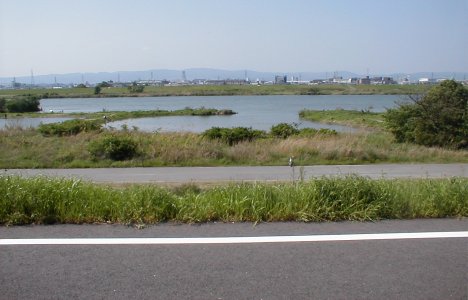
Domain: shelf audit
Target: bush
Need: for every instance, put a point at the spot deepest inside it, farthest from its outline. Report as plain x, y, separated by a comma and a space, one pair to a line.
284, 130
307, 132
23, 104
439, 118
97, 90
114, 147
135, 88
2, 105
71, 127
234, 135
214, 133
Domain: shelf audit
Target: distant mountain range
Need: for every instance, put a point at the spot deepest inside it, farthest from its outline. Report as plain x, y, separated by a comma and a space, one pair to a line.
209, 74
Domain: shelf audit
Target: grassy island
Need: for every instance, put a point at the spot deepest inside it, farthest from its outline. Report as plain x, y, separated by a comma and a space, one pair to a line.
352, 118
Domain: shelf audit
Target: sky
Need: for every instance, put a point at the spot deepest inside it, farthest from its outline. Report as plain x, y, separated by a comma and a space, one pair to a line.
361, 36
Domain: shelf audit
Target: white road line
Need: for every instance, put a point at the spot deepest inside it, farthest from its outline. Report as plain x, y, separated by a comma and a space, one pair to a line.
235, 240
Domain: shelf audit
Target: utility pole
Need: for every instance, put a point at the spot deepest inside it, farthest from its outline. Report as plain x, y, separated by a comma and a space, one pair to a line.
32, 78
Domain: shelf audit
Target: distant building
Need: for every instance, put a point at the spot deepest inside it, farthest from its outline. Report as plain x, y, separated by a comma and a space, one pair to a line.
198, 81
318, 81
365, 80
281, 79
382, 80
426, 81
227, 82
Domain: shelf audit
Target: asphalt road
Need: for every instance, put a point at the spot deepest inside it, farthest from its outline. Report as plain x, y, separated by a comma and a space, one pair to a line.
382, 269
273, 173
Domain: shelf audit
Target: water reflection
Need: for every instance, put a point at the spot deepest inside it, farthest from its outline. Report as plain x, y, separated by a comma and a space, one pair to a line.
29, 122
200, 124
258, 112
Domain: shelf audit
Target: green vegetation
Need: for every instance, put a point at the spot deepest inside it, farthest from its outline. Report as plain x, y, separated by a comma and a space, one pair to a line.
122, 115
70, 127
97, 90
439, 118
353, 118
135, 88
2, 105
114, 147
94, 121
284, 130
28, 148
234, 135
67, 145
225, 90
42, 200
21, 104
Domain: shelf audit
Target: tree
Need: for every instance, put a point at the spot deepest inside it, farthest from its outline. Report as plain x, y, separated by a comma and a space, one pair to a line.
439, 118
2, 105
105, 84
97, 89
284, 130
23, 104
135, 88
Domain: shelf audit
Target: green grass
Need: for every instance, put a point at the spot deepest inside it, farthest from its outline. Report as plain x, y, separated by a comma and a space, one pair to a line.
122, 115
345, 117
226, 90
42, 200
27, 148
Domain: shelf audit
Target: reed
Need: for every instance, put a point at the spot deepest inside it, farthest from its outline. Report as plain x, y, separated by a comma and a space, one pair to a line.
27, 148
42, 200
345, 117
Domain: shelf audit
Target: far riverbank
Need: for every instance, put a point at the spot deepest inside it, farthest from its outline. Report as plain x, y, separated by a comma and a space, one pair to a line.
223, 90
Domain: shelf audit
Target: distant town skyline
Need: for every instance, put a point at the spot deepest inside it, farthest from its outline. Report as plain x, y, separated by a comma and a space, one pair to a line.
219, 76
363, 36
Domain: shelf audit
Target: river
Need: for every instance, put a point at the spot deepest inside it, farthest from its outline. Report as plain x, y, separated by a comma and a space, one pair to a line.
258, 112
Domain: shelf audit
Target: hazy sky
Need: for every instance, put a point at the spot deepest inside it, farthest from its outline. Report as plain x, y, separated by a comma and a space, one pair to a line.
64, 36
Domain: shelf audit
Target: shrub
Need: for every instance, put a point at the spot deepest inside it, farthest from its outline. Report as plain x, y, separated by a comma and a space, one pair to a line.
214, 133
23, 104
114, 147
2, 105
71, 127
284, 130
308, 132
326, 131
439, 118
234, 135
97, 90
135, 88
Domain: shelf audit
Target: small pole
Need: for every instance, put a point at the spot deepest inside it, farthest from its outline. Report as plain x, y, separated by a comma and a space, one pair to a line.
291, 164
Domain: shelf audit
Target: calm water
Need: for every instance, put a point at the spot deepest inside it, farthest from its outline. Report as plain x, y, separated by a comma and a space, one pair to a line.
29, 122
259, 112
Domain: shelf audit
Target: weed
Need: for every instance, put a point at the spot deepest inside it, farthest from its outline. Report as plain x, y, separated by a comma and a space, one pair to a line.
43, 200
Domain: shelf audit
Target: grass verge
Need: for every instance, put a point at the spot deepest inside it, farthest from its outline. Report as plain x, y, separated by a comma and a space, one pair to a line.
345, 117
42, 200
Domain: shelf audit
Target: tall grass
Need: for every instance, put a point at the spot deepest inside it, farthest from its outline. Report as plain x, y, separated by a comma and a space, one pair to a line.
345, 117
26, 148
45, 200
